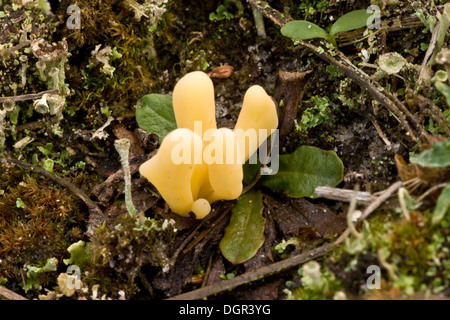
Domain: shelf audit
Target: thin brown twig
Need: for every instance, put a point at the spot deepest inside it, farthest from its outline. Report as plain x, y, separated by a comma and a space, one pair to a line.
31, 96
431, 190
10, 295
379, 131
430, 50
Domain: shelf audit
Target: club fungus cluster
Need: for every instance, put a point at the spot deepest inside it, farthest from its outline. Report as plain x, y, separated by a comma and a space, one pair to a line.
197, 163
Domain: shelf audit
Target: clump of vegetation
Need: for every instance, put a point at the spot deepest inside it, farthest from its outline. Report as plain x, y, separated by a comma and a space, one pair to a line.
37, 223
315, 115
118, 253
316, 283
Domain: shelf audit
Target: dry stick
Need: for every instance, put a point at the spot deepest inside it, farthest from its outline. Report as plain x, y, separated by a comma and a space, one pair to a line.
28, 96
379, 93
344, 195
380, 132
287, 263
428, 54
10, 295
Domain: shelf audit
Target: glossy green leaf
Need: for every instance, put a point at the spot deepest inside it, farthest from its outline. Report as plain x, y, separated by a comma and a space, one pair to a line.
442, 205
154, 114
302, 29
436, 157
305, 169
351, 21
245, 233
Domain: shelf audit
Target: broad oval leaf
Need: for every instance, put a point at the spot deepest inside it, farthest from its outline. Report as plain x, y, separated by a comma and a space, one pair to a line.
442, 205
436, 157
302, 29
244, 235
351, 21
154, 114
305, 169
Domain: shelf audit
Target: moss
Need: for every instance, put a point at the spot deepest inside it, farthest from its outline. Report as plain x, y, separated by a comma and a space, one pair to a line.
38, 227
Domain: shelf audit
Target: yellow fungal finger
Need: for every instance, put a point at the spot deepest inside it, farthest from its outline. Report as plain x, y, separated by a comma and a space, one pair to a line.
193, 100
171, 169
256, 120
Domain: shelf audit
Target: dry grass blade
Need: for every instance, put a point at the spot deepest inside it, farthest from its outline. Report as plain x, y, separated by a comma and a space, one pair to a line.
10, 295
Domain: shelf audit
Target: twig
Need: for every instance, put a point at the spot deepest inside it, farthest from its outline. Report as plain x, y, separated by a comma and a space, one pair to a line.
283, 264
344, 195
428, 54
32, 96
10, 295
380, 132
402, 193
430, 191
382, 198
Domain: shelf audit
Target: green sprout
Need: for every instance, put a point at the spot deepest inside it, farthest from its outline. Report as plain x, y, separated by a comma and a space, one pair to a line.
305, 30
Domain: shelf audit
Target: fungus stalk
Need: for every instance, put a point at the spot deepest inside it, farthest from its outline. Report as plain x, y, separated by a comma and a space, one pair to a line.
123, 148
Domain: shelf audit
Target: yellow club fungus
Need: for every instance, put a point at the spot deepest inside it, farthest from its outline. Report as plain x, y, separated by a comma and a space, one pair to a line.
198, 164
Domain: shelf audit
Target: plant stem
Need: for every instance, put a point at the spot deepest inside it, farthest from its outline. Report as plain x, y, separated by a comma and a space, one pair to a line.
123, 148
2, 130
259, 22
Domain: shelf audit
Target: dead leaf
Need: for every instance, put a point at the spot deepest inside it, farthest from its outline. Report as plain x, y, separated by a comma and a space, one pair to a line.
296, 217
405, 171
221, 72
289, 90
121, 132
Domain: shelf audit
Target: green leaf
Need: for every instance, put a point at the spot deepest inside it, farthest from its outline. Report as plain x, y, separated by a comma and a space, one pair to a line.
437, 157
154, 114
245, 233
442, 205
351, 21
302, 29
305, 169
